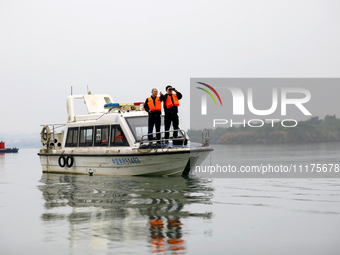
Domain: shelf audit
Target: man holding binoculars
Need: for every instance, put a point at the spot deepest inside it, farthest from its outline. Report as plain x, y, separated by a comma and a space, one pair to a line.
170, 102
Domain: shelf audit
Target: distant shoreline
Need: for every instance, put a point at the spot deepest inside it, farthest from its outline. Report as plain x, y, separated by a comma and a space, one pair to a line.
309, 131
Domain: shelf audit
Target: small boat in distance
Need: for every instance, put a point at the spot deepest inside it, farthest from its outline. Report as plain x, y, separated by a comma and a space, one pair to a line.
112, 139
5, 150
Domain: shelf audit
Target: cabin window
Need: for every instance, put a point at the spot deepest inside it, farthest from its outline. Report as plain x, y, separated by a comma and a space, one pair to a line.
102, 136
86, 136
139, 127
117, 136
72, 137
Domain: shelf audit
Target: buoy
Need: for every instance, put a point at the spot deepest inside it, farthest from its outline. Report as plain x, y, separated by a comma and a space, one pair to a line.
69, 161
45, 134
61, 161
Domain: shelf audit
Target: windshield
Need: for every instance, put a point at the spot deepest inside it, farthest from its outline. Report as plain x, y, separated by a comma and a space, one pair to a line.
139, 126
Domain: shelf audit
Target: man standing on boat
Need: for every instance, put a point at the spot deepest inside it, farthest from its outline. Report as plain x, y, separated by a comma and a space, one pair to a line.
170, 102
154, 108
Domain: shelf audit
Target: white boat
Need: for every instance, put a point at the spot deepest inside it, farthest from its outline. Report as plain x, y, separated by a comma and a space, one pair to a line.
112, 140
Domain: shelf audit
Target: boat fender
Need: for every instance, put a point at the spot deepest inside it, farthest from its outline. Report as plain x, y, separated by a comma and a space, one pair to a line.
45, 134
69, 161
61, 161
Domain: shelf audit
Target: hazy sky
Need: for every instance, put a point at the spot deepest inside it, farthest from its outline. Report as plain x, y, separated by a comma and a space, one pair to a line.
125, 48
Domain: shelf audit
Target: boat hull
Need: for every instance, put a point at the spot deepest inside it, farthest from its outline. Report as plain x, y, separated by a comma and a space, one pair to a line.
149, 164
13, 150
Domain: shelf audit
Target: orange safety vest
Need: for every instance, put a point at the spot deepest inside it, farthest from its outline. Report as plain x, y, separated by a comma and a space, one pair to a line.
151, 105
119, 139
169, 101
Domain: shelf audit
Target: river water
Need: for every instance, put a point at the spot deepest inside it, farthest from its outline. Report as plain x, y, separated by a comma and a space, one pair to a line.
71, 214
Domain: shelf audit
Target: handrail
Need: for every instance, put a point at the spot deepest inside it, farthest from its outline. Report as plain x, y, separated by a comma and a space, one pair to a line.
205, 137
162, 140
60, 125
53, 131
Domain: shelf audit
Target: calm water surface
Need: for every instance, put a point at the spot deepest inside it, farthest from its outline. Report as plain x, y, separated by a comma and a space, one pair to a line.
70, 214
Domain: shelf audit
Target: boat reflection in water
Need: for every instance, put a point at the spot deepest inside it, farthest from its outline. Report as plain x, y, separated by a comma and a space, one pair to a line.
125, 214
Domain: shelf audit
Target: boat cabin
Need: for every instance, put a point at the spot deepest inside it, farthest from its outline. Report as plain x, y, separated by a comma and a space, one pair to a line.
107, 124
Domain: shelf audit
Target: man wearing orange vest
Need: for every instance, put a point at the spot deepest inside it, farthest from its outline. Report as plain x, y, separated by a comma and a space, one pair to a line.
154, 108
171, 103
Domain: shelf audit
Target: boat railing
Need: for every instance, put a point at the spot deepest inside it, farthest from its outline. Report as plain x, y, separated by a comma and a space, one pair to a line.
205, 137
145, 139
51, 135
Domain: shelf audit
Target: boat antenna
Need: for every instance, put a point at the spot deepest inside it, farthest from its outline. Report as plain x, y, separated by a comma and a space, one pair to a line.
88, 92
71, 90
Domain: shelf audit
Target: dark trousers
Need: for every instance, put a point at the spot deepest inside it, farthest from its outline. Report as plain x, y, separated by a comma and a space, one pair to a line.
168, 119
154, 120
